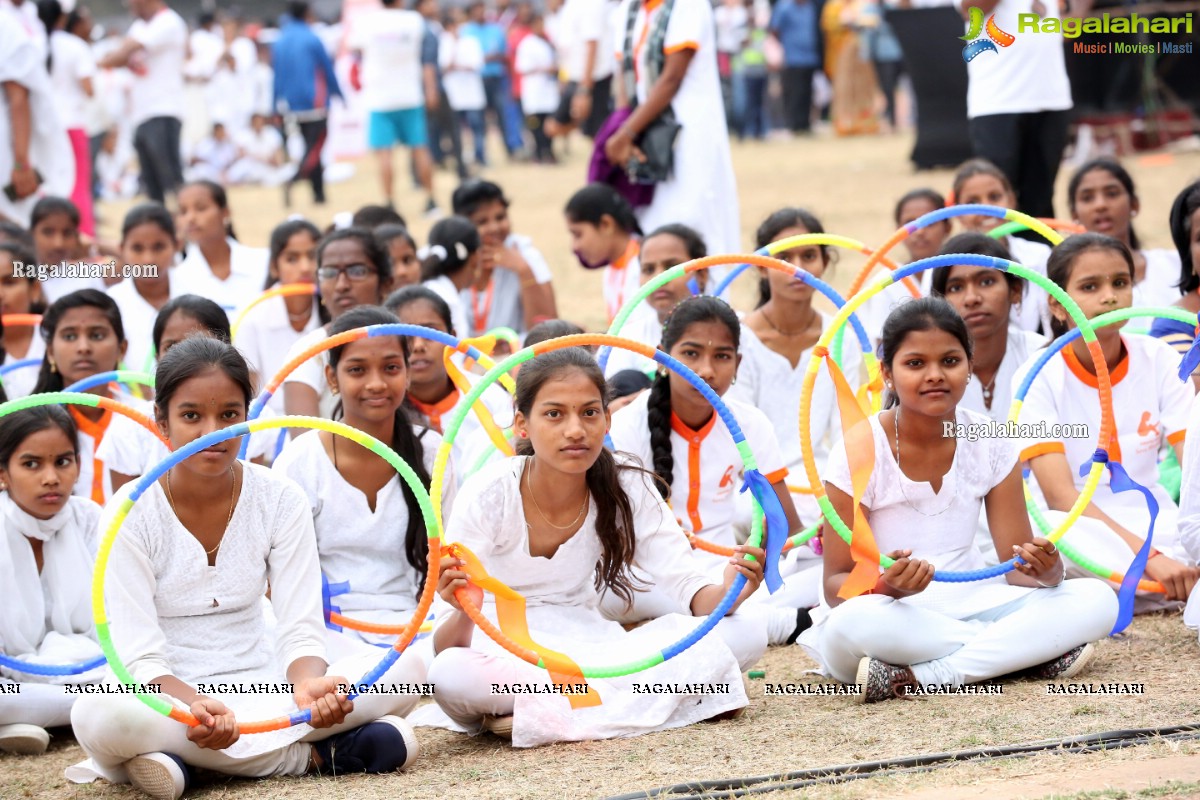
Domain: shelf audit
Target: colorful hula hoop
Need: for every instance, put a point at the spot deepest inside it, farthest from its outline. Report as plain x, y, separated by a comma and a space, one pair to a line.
1007, 228
99, 610
22, 364
1014, 413
390, 329
925, 220
20, 320
821, 352
286, 290
69, 398
124, 376
777, 247
756, 535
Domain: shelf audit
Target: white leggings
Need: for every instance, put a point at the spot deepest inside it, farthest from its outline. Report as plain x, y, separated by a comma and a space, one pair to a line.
46, 705
1034, 629
115, 728
457, 673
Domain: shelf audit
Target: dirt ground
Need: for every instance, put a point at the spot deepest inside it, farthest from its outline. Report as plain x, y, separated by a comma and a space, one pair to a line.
851, 185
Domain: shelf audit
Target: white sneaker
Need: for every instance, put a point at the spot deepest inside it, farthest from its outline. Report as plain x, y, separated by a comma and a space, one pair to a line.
26, 740
161, 776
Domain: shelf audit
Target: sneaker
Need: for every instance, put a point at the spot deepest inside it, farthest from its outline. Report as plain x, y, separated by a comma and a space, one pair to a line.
498, 726
162, 776
22, 739
1066, 666
880, 681
385, 745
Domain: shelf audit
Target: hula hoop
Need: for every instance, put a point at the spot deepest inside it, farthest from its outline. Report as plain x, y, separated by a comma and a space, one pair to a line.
22, 364
99, 609
21, 320
1014, 413
820, 352
389, 329
80, 399
776, 247
124, 376
938, 215
1056, 224
285, 290
756, 533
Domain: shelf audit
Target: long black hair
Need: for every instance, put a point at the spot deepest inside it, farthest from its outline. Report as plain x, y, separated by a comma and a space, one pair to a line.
922, 314
20, 425
210, 316
194, 356
280, 236
1186, 204
658, 405
1114, 168
614, 514
405, 441
596, 201
149, 214
777, 223
50, 380
1062, 262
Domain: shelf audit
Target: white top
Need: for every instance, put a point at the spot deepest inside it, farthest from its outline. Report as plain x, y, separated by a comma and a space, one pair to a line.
622, 279
52, 622
581, 22
702, 191
1034, 309
205, 49
1150, 405
563, 610
904, 515
536, 63
461, 60
643, 326
20, 382
472, 440
158, 68
95, 478
874, 312
266, 337
1189, 507
731, 23
1029, 75
1022, 345
262, 146
390, 41
708, 472
767, 381
311, 373
357, 544
137, 316
130, 449
1159, 286
172, 614
444, 288
72, 62
505, 309
247, 275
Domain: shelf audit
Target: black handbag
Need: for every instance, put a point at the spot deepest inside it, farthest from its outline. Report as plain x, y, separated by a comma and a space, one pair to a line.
657, 141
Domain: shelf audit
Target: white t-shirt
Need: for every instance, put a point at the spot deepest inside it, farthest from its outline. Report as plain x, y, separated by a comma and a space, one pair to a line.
622, 279
1034, 309
731, 22
261, 146
158, 68
536, 62
390, 41
1029, 75
581, 22
312, 372
95, 479
20, 382
1022, 345
137, 316
1159, 286
72, 62
1150, 405
461, 60
501, 307
266, 338
1189, 498
247, 274
708, 472
472, 441
642, 326
444, 288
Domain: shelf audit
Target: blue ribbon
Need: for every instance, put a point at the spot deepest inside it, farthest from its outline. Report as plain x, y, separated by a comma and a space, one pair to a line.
1119, 481
776, 523
693, 285
1191, 360
328, 592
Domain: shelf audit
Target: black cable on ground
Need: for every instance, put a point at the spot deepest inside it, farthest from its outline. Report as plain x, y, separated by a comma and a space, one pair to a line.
743, 787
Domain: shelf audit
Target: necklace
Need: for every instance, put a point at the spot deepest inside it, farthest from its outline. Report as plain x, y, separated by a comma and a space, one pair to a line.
896, 417
989, 389
232, 495
789, 334
586, 499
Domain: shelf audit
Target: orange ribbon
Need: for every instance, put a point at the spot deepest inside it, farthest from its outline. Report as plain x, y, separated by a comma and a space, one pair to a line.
510, 613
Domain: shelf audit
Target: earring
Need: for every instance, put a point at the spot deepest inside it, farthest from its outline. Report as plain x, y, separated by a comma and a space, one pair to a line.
524, 434
333, 390
53, 366
888, 384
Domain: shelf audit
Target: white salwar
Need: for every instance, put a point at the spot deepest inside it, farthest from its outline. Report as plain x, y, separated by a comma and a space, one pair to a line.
563, 610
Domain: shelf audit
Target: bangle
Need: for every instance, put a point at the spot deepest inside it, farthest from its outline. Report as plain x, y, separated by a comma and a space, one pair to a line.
1062, 575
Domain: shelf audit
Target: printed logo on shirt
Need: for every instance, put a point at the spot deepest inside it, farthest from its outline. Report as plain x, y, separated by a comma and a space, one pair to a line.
1146, 427
725, 486
981, 38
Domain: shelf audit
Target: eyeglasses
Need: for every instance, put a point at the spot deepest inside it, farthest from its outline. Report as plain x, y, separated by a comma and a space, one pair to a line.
355, 272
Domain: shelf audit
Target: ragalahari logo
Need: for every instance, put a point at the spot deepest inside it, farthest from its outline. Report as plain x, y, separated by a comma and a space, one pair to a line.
995, 36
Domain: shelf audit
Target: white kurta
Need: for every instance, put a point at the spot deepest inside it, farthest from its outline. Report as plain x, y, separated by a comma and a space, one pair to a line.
20, 382
137, 317
266, 337
563, 612
247, 276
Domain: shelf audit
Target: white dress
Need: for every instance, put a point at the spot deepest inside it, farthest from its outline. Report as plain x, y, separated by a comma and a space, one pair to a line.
266, 337
562, 606
247, 276
137, 317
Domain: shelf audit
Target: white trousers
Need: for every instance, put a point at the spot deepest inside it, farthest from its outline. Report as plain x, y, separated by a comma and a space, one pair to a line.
46, 705
1034, 629
115, 728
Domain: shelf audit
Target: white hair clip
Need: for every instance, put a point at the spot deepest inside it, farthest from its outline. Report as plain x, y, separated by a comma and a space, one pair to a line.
434, 251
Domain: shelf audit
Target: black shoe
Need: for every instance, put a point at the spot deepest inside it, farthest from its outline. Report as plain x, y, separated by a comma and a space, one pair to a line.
803, 623
385, 745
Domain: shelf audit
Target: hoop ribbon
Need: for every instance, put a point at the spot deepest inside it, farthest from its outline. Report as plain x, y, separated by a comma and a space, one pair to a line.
510, 613
859, 442
485, 344
1191, 359
328, 592
777, 525
1119, 481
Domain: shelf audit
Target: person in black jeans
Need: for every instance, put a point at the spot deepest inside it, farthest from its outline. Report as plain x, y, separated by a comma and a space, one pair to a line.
795, 24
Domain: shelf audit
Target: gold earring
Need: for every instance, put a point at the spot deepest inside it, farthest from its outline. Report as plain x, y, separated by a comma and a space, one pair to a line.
333, 390
53, 367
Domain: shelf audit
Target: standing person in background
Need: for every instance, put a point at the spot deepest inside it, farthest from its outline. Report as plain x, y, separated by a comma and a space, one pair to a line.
1019, 106
794, 25
732, 21
461, 60
440, 117
154, 52
537, 65
750, 83
304, 84
585, 44
495, 71
72, 66
399, 81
